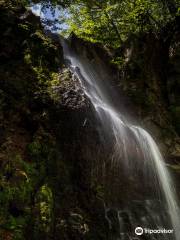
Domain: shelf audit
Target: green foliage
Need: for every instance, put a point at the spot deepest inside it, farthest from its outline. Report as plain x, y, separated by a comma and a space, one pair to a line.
16, 225
111, 22
39, 152
45, 201
30, 61
119, 61
35, 149
51, 3
100, 191
15, 195
24, 187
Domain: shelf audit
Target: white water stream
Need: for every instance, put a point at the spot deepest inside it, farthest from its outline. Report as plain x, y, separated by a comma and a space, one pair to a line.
97, 90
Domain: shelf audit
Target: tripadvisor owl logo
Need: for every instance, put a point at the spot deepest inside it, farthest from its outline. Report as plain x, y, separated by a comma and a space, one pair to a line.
139, 231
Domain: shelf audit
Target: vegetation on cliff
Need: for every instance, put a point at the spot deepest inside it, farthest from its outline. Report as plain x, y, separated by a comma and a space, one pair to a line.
46, 191
142, 38
112, 22
29, 64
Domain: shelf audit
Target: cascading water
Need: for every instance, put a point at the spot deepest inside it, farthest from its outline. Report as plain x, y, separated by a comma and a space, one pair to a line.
153, 202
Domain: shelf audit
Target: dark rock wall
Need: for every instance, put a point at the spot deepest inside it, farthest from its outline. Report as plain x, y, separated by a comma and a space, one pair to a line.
148, 76
50, 144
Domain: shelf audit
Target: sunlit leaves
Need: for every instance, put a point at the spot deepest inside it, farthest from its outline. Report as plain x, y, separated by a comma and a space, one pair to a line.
111, 22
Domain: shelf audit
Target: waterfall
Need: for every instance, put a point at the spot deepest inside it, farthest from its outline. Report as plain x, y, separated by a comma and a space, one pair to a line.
135, 155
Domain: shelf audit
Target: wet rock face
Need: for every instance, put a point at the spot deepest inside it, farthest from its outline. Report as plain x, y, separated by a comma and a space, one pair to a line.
173, 81
147, 78
112, 214
70, 91
143, 84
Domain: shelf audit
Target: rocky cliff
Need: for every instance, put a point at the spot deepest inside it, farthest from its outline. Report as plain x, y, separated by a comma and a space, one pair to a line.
49, 137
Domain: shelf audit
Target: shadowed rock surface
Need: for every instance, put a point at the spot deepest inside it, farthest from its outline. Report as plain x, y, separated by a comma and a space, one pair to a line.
50, 138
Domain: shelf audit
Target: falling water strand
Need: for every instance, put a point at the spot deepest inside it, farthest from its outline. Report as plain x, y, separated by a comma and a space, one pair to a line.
163, 175
123, 132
